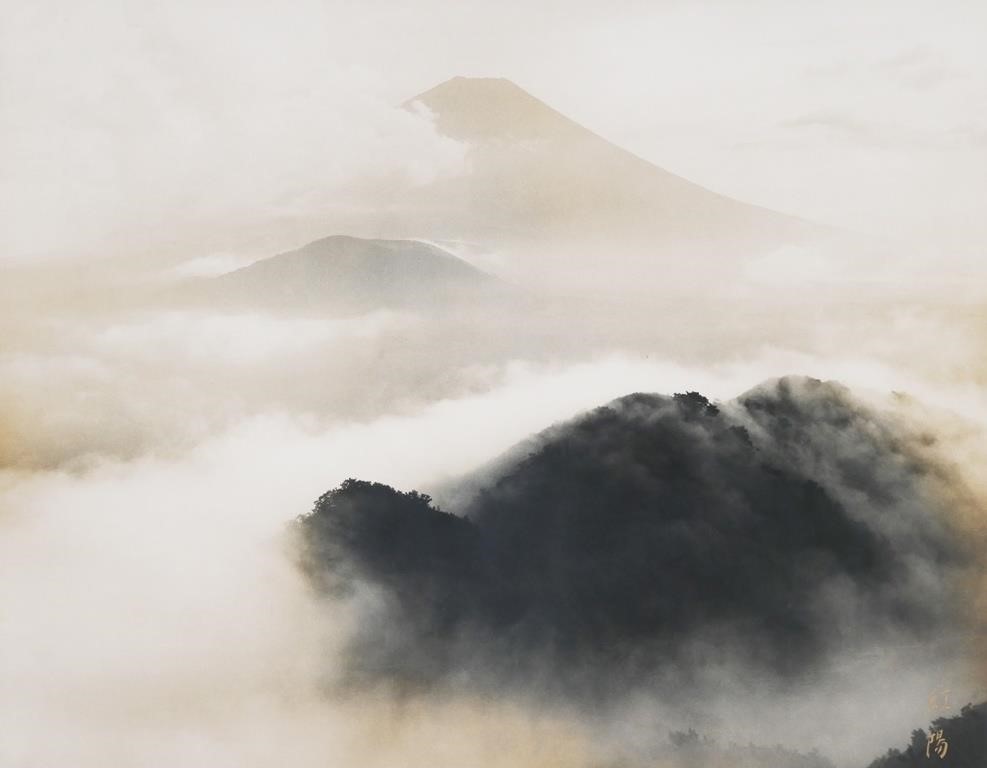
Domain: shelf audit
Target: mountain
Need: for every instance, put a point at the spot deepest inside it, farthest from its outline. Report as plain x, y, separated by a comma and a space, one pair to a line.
558, 201
483, 109
348, 274
651, 538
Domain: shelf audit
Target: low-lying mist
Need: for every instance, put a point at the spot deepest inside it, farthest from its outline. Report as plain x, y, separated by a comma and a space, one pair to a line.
152, 612
153, 453
122, 370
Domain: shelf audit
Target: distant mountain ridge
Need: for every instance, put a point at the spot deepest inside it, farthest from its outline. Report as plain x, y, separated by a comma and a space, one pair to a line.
539, 182
488, 108
346, 273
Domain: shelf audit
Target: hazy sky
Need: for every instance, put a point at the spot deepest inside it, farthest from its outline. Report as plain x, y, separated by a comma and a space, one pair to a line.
145, 117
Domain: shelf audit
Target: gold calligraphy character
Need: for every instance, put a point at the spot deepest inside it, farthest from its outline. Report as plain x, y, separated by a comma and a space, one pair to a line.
937, 745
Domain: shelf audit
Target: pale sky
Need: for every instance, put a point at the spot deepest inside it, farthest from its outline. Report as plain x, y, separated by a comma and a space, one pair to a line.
141, 117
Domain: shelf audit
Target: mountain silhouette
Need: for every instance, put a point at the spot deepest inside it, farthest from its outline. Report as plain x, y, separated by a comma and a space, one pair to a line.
346, 274
565, 203
486, 108
653, 536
